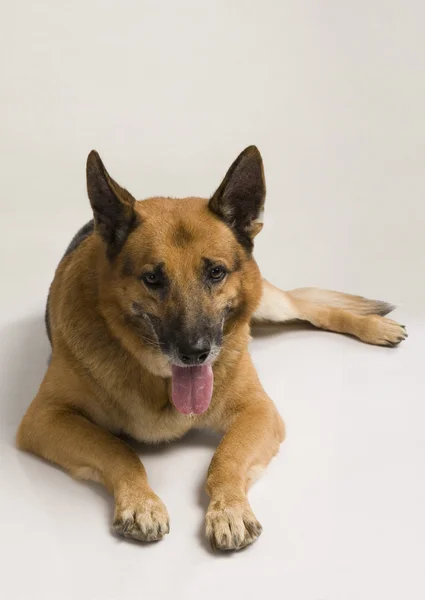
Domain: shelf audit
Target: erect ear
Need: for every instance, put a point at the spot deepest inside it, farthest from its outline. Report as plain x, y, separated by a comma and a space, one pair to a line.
113, 207
239, 201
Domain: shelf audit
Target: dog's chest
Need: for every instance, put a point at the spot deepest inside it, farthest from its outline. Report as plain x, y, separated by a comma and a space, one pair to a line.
152, 421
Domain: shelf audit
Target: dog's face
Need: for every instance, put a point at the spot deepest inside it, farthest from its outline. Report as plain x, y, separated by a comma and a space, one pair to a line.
181, 271
181, 277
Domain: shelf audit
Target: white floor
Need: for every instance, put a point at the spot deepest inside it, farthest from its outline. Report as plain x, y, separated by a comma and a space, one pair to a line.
342, 506
333, 93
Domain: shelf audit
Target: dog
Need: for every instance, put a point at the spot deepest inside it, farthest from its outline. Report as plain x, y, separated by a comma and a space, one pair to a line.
149, 319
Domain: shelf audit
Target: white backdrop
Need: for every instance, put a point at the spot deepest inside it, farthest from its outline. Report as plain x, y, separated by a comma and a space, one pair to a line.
333, 94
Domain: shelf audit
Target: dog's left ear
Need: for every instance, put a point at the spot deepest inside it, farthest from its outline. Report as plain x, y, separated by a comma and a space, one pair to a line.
239, 201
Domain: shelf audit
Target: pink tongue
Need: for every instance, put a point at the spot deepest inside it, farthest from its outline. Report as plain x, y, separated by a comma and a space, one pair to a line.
192, 389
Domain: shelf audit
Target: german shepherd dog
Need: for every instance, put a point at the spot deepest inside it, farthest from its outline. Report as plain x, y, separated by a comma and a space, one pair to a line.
149, 319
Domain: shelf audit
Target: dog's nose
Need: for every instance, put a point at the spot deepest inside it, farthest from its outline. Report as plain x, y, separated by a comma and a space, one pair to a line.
194, 355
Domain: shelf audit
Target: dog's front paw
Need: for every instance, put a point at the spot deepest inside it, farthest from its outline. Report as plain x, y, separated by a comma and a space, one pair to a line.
231, 526
145, 520
383, 332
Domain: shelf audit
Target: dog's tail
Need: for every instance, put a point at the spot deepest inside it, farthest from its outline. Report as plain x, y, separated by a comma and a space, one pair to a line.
279, 306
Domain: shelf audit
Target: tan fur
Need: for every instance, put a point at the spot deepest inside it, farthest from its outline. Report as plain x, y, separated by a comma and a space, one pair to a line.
108, 377
334, 311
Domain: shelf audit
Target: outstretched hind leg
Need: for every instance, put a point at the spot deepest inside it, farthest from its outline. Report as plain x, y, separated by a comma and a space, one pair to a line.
333, 311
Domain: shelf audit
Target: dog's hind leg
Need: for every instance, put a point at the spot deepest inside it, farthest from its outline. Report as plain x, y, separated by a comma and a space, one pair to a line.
334, 311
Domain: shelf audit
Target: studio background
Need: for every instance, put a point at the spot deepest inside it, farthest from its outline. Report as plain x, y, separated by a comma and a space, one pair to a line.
333, 94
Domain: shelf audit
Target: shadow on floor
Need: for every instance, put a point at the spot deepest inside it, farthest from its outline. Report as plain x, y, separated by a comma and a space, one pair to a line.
24, 355
270, 330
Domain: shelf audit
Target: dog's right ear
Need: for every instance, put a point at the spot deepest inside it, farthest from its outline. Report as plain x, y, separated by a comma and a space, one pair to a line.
113, 207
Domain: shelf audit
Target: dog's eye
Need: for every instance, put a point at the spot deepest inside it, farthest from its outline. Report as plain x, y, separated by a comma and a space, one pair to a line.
152, 280
216, 274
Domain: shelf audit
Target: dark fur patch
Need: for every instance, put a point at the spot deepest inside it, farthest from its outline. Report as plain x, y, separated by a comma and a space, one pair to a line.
237, 265
384, 308
208, 262
127, 267
181, 236
80, 236
244, 240
47, 320
174, 331
163, 286
115, 238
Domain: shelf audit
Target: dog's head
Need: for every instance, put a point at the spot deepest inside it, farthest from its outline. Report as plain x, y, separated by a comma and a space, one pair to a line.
178, 275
